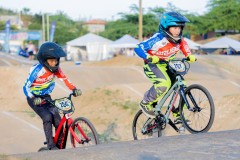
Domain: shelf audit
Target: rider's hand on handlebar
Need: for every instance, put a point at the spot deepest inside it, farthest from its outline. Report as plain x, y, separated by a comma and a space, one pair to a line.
77, 92
191, 58
152, 59
37, 100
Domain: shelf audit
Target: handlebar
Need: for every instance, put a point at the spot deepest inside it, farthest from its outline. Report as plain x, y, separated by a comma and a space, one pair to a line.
149, 60
52, 101
64, 104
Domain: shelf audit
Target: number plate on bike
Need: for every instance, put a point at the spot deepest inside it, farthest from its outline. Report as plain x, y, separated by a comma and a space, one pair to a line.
177, 66
63, 104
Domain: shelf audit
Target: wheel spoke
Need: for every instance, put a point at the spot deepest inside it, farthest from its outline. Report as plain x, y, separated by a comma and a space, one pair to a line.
138, 123
85, 132
201, 118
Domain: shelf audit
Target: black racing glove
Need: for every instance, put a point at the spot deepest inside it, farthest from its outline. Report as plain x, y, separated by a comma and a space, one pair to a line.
36, 101
77, 92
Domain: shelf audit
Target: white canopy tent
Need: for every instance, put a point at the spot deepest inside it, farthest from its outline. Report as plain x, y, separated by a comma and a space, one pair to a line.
124, 45
96, 46
192, 44
125, 41
224, 42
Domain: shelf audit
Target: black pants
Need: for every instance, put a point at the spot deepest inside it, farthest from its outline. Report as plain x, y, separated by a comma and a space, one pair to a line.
49, 116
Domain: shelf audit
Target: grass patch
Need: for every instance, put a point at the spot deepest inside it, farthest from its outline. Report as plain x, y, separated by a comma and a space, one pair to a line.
109, 134
110, 92
107, 92
3, 157
132, 106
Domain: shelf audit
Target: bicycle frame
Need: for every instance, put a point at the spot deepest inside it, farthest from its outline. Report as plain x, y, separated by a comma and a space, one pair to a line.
176, 89
68, 121
187, 105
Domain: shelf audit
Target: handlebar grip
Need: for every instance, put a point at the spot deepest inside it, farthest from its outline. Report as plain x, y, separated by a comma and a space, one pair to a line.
149, 60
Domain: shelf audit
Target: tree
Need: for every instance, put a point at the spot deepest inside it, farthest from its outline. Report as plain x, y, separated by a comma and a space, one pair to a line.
224, 14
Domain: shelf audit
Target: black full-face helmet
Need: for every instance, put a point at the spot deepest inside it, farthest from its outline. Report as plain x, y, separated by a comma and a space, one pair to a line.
50, 50
172, 19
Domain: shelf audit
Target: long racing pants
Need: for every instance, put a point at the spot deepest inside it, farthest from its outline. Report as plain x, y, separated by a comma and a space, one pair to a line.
157, 73
49, 116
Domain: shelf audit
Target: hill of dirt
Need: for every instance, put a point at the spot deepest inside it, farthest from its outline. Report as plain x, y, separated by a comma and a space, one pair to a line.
119, 60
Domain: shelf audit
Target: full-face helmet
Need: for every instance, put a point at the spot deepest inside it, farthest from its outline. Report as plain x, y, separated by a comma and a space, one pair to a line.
172, 19
50, 50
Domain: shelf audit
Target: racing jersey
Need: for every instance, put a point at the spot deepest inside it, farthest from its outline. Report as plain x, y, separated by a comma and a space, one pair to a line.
159, 45
41, 81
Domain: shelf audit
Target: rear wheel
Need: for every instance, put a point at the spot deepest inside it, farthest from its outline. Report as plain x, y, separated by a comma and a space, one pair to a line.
85, 132
201, 116
144, 131
43, 149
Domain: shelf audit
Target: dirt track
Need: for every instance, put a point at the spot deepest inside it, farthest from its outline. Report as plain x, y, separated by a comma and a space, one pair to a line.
218, 145
118, 80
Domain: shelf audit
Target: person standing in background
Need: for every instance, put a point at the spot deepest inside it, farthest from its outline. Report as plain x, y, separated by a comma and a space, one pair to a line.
31, 50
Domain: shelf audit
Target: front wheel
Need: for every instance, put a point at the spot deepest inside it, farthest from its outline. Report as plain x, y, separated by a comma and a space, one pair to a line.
85, 132
144, 127
200, 117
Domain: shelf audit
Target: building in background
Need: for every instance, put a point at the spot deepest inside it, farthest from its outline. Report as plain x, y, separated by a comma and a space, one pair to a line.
95, 25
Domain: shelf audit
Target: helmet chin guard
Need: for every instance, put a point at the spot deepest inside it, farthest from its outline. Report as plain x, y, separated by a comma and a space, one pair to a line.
50, 68
174, 39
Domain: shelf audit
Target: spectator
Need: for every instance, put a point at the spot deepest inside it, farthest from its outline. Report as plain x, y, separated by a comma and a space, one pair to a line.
31, 49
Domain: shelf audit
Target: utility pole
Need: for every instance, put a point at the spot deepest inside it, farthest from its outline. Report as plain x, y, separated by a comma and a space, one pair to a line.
43, 28
47, 27
140, 21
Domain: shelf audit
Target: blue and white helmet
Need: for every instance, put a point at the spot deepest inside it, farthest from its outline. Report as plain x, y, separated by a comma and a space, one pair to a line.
171, 19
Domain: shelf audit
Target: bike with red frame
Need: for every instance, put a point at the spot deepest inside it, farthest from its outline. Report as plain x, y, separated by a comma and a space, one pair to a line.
82, 132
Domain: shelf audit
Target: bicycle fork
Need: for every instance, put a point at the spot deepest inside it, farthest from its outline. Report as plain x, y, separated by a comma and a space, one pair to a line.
183, 94
82, 141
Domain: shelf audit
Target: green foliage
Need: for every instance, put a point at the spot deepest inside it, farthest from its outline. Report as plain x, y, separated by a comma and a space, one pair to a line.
109, 134
132, 106
3, 156
222, 14
117, 29
129, 25
4, 11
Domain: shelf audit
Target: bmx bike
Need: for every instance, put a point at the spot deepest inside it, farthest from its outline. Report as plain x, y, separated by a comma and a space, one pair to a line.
194, 102
82, 132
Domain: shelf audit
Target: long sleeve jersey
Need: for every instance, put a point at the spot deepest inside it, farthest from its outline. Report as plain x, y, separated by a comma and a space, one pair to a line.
159, 45
41, 81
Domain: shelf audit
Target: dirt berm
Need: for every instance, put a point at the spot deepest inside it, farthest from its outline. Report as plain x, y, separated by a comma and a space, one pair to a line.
215, 145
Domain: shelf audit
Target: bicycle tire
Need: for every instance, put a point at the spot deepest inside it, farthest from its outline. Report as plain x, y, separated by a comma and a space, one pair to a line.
88, 129
137, 125
193, 119
42, 149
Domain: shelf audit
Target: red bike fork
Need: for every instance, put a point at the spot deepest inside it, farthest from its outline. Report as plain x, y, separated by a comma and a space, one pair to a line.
75, 136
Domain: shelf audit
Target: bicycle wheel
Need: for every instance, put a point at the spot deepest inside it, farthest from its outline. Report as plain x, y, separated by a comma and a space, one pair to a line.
201, 118
150, 130
85, 132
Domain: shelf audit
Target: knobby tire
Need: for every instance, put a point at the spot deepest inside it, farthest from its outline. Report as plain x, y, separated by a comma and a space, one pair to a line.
88, 129
199, 121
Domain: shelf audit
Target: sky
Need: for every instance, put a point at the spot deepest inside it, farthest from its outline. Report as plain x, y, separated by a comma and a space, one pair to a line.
98, 9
